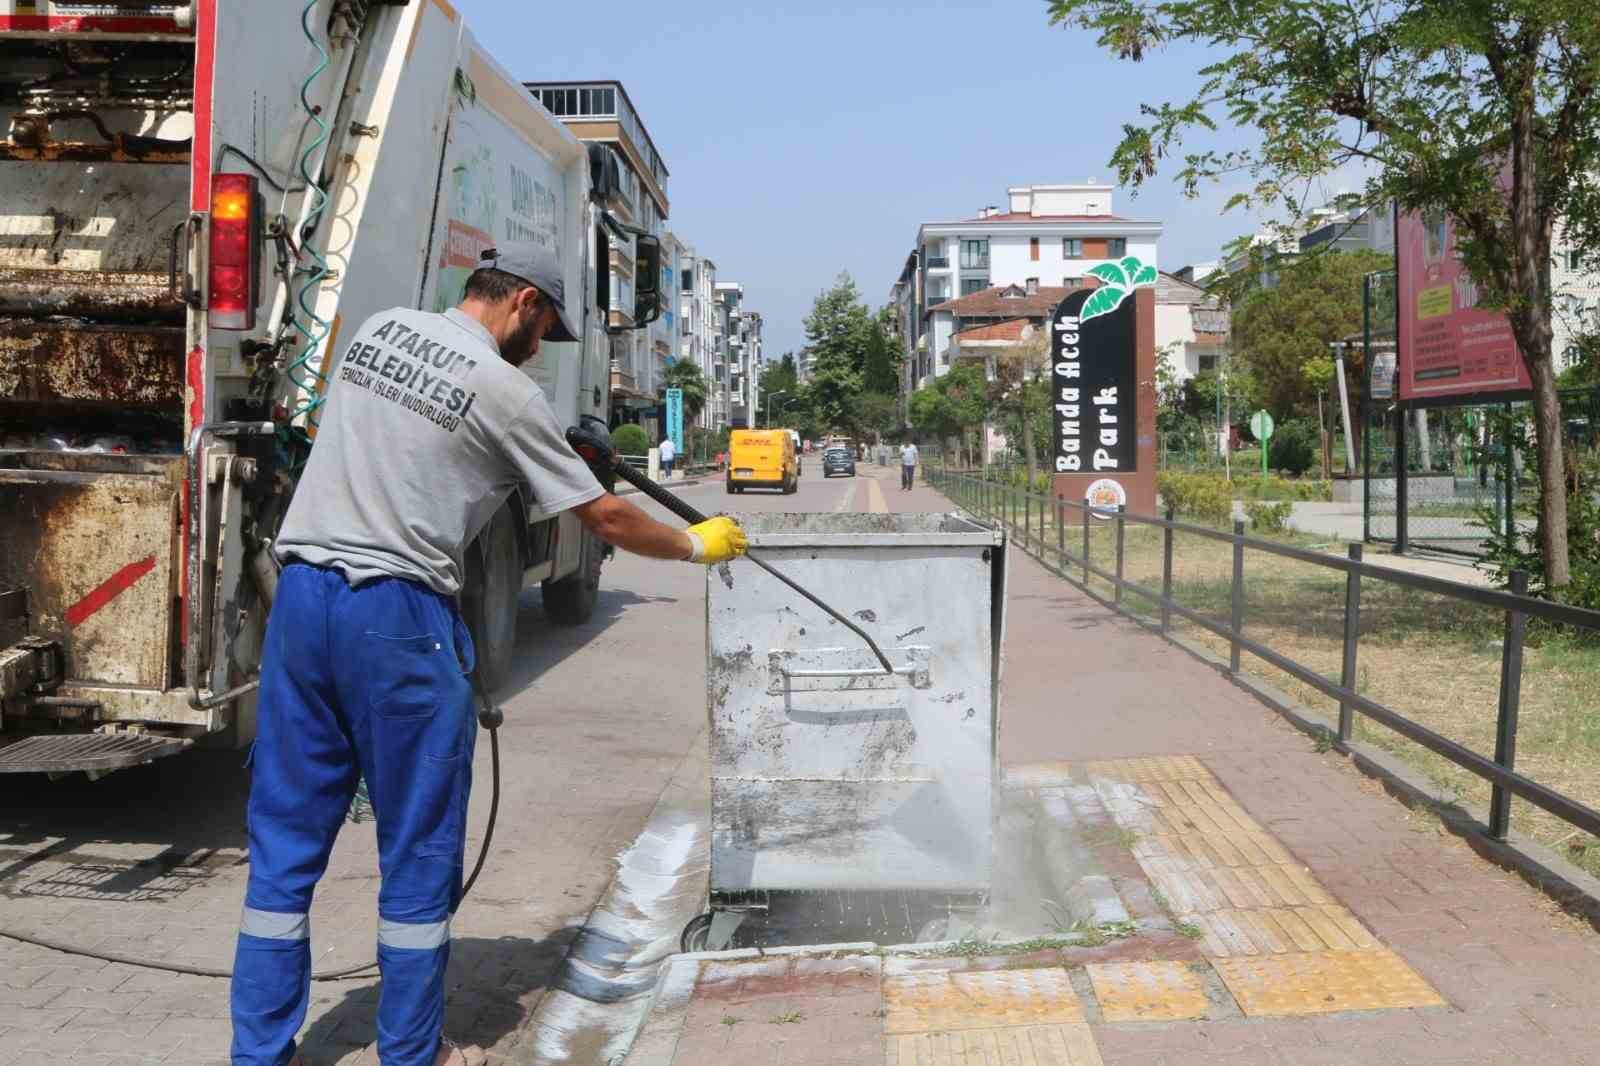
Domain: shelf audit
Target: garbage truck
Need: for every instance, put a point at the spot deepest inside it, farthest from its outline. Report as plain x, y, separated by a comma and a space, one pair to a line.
200, 202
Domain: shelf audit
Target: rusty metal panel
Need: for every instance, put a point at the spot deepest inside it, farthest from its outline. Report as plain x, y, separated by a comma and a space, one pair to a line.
97, 551
826, 772
102, 219
78, 368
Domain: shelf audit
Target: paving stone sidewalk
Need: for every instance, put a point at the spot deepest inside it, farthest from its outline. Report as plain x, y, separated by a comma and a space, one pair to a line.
1497, 974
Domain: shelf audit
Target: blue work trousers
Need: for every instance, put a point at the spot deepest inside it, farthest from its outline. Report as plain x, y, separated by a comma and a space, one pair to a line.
368, 681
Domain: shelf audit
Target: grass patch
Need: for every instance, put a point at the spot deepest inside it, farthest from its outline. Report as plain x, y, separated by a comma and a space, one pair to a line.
793, 1017
729, 1019
1187, 929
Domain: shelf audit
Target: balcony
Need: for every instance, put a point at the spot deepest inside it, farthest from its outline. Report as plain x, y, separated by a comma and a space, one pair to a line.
938, 262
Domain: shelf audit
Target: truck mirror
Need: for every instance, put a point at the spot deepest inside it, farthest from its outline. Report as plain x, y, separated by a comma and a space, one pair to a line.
646, 279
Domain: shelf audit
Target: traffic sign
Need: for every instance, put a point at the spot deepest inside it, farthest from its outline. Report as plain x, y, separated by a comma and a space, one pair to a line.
1261, 425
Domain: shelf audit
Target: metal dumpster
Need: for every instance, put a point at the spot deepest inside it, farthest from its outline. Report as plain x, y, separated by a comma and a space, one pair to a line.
826, 773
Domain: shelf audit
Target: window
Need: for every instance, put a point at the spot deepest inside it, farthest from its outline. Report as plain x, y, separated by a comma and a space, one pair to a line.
972, 285
1072, 283
1117, 247
1208, 363
1033, 249
975, 254
1071, 248
1573, 259
688, 279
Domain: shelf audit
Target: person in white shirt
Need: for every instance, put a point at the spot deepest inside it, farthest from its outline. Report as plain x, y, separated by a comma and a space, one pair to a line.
908, 465
669, 453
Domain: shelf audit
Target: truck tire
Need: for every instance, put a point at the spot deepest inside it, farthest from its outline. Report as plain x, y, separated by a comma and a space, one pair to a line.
571, 600
493, 582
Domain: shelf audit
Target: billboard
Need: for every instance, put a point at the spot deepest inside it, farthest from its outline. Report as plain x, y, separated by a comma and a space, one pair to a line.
1449, 346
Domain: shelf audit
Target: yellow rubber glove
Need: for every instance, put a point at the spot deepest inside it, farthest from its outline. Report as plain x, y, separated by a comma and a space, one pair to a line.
716, 540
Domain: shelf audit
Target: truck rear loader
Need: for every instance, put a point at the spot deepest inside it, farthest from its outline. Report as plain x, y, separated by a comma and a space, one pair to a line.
199, 200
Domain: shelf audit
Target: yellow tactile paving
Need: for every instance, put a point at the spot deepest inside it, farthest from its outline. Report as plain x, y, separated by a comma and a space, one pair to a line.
950, 1001
1325, 981
1028, 1045
1159, 768
1147, 991
1280, 930
1039, 775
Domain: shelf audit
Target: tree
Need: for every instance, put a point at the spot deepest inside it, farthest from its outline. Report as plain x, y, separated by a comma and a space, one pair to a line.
1279, 331
880, 369
953, 405
876, 414
1016, 391
837, 330
1432, 98
685, 374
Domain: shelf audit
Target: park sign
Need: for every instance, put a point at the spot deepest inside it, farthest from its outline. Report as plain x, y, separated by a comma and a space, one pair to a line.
1102, 356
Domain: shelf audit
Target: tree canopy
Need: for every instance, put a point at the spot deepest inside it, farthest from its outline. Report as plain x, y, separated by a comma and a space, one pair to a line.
1281, 332
1488, 110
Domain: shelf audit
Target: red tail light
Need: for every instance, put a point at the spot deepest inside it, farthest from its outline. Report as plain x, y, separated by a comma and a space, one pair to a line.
234, 253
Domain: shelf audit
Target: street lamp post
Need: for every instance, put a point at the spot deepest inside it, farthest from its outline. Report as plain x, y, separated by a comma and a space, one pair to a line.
770, 395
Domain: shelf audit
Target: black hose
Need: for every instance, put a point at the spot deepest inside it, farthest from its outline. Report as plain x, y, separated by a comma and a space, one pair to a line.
490, 712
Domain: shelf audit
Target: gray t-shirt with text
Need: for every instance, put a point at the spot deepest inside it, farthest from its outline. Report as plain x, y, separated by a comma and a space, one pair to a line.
425, 433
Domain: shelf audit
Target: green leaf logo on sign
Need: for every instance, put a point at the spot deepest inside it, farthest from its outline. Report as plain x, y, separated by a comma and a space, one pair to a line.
1117, 281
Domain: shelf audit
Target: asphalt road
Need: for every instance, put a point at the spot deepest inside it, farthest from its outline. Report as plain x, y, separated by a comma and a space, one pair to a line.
151, 861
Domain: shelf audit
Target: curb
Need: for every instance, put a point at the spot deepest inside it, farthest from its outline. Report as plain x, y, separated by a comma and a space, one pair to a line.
629, 490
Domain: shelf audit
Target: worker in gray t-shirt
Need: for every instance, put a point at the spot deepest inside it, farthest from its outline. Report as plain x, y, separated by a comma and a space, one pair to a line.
428, 428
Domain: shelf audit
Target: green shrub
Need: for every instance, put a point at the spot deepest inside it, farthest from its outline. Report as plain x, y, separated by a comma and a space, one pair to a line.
629, 439
1268, 517
1296, 446
1206, 497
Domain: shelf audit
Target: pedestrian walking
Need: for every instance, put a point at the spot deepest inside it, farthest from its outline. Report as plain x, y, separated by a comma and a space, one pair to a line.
366, 662
908, 465
669, 452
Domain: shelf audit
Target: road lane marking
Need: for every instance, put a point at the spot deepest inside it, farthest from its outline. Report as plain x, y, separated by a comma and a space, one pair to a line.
877, 504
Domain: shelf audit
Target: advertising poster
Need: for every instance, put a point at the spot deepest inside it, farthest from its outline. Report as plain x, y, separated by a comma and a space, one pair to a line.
1449, 346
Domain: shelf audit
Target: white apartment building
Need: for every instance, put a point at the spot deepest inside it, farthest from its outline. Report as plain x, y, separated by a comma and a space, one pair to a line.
600, 112
1575, 288
1192, 326
1048, 236
701, 337
741, 363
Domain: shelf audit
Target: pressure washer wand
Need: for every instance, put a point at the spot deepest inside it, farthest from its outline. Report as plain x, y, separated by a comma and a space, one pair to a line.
596, 450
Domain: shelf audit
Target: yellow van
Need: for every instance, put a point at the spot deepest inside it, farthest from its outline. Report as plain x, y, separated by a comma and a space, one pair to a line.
762, 458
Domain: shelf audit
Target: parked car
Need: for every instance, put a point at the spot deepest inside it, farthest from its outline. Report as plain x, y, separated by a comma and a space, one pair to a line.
838, 461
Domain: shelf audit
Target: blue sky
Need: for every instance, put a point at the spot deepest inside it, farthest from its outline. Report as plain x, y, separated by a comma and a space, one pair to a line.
809, 138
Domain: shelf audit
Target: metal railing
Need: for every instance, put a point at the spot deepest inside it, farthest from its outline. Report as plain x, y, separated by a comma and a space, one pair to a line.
1025, 515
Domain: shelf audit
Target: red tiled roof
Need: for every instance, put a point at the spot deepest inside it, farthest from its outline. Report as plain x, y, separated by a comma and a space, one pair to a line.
990, 303
1009, 330
1023, 216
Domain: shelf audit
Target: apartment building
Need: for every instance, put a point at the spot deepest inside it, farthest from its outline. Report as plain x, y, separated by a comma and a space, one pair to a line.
601, 112
698, 324
1046, 237
1575, 293
742, 355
